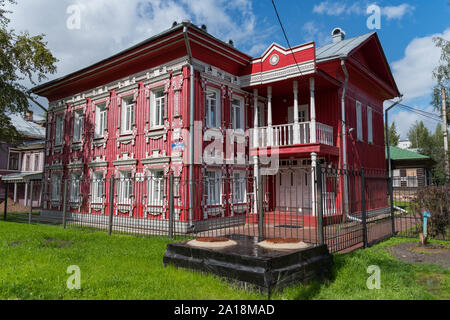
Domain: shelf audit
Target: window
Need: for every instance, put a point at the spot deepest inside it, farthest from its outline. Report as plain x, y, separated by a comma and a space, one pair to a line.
239, 187
75, 187
369, 125
213, 108
213, 188
100, 120
59, 130
359, 126
77, 126
56, 187
127, 115
125, 187
28, 162
156, 188
238, 114
36, 161
157, 108
396, 180
13, 163
412, 181
97, 187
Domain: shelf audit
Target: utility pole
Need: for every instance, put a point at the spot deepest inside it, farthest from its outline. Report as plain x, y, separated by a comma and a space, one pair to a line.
444, 116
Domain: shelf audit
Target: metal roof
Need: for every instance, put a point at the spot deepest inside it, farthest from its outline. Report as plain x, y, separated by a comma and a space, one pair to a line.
341, 48
22, 176
26, 128
401, 154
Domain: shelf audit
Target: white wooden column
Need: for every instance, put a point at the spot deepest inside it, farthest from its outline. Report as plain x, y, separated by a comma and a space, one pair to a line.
269, 116
255, 144
313, 130
313, 185
26, 193
296, 124
15, 192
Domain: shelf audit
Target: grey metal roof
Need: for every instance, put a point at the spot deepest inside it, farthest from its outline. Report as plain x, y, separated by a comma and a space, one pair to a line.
22, 176
341, 48
28, 129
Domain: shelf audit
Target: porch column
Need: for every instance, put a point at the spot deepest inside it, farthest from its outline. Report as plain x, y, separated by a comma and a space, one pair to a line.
296, 123
15, 192
26, 194
313, 185
255, 144
269, 116
313, 131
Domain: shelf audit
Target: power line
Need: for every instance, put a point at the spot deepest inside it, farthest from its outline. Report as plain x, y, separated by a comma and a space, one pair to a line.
421, 114
285, 36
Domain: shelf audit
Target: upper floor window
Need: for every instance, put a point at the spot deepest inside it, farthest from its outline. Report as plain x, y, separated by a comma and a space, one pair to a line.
28, 162
59, 129
13, 163
238, 114
77, 126
213, 108
100, 120
157, 106
127, 115
369, 125
359, 125
37, 157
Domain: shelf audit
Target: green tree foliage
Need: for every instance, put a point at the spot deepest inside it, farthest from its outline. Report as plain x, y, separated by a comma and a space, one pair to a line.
394, 137
22, 57
442, 76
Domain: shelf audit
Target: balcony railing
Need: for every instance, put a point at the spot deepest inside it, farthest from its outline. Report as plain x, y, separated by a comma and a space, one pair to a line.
291, 134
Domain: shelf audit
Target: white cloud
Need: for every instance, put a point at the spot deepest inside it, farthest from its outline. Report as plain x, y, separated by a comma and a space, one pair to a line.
413, 73
404, 120
397, 12
330, 8
110, 26
313, 32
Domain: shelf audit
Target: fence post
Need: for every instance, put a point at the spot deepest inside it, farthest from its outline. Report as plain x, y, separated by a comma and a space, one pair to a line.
111, 205
5, 210
320, 235
260, 194
391, 202
65, 204
31, 202
363, 207
171, 206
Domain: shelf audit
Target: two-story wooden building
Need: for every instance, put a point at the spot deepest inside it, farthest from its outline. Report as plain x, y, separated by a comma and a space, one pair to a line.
186, 102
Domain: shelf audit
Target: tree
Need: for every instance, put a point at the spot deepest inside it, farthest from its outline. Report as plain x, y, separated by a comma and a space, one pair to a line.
22, 57
420, 137
394, 137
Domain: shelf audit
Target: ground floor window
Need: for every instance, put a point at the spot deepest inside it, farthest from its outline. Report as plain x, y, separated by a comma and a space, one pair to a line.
125, 187
75, 187
56, 187
213, 188
156, 188
97, 187
239, 187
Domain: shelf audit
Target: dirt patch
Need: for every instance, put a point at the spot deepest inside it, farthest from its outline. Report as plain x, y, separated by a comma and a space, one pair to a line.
412, 252
212, 239
14, 207
280, 240
56, 243
16, 243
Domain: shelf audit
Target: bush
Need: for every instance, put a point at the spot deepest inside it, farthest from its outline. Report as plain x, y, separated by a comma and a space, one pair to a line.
435, 200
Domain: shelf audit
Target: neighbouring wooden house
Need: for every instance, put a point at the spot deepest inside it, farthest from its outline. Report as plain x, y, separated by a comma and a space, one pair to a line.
23, 162
130, 115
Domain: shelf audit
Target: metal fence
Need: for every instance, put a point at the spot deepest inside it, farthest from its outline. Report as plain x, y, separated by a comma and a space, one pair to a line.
299, 203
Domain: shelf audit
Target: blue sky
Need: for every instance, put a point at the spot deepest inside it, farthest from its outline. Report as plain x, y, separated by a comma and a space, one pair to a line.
109, 26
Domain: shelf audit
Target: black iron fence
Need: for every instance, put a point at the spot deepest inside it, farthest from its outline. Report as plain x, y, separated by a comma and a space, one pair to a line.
346, 209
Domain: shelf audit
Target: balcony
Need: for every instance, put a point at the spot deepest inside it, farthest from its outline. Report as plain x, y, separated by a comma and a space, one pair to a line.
288, 135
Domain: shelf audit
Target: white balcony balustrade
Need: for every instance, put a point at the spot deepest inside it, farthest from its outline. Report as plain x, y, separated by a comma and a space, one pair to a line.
293, 134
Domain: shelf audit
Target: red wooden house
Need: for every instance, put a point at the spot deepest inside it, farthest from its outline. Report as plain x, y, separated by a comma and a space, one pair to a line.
178, 101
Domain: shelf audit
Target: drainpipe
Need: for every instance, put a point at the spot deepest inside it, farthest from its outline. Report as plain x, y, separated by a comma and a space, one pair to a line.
191, 130
344, 135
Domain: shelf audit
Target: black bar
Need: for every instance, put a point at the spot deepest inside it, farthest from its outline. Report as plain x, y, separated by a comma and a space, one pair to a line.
320, 235
260, 207
363, 207
5, 210
171, 206
65, 204
111, 205
391, 200
31, 202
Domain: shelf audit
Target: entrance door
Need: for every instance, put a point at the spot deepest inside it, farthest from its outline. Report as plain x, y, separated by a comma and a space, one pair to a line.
290, 190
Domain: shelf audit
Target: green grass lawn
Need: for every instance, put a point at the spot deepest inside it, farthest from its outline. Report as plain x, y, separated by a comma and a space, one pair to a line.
34, 260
